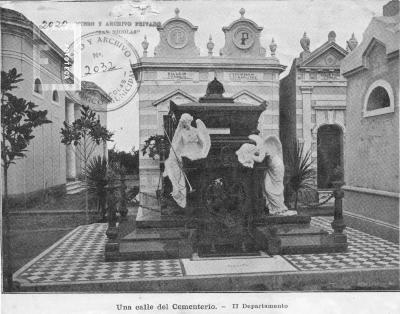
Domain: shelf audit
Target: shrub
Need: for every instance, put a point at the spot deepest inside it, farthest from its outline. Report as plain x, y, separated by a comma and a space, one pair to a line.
126, 160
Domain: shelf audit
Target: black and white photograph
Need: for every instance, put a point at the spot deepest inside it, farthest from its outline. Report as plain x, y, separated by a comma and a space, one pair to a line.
200, 156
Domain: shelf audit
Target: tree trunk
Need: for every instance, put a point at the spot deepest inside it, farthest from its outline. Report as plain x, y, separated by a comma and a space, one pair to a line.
295, 200
85, 160
7, 257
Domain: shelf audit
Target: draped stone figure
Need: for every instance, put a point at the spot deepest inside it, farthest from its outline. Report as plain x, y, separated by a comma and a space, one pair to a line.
190, 142
270, 151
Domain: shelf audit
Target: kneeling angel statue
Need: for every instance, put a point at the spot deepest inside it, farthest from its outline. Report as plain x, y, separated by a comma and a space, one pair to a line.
270, 150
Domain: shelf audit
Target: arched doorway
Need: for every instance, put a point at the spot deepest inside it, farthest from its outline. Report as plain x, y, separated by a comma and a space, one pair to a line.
329, 155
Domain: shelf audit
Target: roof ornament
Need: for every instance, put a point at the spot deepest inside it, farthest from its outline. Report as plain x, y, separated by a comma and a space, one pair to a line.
177, 12
210, 46
273, 47
145, 45
332, 36
352, 43
305, 43
242, 12
215, 89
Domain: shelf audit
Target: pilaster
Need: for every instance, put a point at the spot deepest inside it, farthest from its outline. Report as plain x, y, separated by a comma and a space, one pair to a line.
306, 92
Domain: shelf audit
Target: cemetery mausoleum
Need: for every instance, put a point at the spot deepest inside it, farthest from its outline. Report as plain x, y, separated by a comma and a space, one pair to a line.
177, 72
371, 201
313, 107
48, 163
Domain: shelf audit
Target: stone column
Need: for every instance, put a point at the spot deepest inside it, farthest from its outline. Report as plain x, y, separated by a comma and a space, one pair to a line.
105, 151
306, 92
71, 160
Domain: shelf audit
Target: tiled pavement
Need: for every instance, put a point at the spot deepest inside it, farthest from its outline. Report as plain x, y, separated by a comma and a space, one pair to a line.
79, 257
364, 251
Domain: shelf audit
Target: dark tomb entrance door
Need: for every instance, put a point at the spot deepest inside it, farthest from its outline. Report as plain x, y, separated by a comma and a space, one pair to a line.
329, 155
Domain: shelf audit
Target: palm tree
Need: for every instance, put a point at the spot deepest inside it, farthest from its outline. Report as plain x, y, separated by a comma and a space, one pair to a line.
300, 173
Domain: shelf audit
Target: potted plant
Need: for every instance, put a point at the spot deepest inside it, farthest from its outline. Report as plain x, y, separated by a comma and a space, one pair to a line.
300, 174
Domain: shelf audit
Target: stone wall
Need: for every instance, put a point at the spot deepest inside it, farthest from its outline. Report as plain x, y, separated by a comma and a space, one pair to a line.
371, 201
372, 150
156, 94
44, 165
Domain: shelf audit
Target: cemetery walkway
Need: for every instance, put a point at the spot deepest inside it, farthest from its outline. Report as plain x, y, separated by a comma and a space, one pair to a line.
76, 263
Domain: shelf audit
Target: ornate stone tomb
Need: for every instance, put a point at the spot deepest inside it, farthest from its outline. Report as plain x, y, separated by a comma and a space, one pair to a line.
225, 212
227, 196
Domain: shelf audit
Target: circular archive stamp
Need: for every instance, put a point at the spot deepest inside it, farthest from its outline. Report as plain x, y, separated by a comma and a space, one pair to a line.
102, 64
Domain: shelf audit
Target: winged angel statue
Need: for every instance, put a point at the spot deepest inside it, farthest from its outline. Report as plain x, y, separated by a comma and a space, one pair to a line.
270, 150
190, 142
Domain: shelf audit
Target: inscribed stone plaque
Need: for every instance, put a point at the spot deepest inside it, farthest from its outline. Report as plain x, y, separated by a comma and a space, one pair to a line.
235, 266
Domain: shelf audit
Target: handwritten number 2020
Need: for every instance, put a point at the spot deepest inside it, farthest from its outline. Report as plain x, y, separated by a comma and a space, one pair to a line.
99, 68
51, 24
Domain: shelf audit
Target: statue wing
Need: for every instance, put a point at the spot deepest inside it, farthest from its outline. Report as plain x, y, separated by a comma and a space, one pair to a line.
257, 139
260, 147
273, 146
204, 138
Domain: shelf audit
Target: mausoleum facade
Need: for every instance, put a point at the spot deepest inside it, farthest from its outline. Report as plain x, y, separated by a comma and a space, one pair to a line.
48, 163
178, 73
313, 107
371, 201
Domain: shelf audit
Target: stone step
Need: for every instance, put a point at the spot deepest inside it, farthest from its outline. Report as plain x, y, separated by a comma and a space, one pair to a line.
74, 187
143, 250
297, 239
73, 184
164, 221
273, 220
157, 234
76, 191
155, 249
36, 220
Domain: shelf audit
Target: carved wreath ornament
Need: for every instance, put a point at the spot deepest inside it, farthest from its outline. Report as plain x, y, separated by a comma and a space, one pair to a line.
225, 202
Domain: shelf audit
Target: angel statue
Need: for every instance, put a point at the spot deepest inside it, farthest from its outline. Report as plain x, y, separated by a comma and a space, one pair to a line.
270, 150
190, 142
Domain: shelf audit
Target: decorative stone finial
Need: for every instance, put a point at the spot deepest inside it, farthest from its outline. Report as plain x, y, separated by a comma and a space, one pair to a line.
145, 45
305, 42
352, 43
210, 46
332, 36
272, 47
242, 12
215, 89
177, 12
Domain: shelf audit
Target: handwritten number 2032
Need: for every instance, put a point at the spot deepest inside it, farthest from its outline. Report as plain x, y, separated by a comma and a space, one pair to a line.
99, 68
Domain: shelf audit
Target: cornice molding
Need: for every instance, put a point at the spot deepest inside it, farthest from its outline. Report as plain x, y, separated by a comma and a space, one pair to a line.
306, 89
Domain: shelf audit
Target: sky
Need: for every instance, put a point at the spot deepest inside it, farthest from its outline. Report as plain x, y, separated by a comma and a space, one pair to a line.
283, 20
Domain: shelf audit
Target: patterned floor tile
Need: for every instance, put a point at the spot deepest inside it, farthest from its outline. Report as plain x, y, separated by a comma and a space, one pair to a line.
364, 251
80, 257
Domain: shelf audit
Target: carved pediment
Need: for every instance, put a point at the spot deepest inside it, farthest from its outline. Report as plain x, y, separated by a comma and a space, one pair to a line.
178, 96
242, 39
247, 97
177, 38
329, 56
